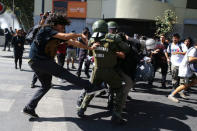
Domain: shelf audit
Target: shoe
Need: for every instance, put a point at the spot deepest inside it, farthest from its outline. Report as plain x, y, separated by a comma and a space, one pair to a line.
163, 85
96, 89
172, 98
110, 106
182, 95
16, 67
117, 120
9, 50
80, 113
73, 67
33, 86
29, 112
78, 74
3, 50
129, 98
150, 85
68, 67
87, 75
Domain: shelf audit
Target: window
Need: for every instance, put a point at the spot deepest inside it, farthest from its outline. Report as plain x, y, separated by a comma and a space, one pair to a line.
192, 4
162, 1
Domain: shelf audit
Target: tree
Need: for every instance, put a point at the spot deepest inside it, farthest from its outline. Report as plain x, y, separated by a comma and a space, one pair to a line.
165, 24
23, 10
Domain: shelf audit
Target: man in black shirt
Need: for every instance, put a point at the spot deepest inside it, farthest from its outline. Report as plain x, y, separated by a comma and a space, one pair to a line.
18, 44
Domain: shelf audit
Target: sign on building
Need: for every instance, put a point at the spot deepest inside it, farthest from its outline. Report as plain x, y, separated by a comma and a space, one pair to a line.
77, 9
2, 8
73, 8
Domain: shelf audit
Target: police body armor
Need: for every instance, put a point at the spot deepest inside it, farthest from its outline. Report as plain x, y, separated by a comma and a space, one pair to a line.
105, 54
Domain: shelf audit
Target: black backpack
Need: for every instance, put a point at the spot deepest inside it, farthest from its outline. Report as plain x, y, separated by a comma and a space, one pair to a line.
32, 33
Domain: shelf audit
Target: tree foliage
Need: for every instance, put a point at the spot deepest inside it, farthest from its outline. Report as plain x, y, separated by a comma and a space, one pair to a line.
23, 10
165, 24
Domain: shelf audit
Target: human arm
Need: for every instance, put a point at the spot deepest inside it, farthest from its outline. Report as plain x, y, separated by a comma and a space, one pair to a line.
192, 59
67, 36
44, 17
121, 54
180, 53
80, 45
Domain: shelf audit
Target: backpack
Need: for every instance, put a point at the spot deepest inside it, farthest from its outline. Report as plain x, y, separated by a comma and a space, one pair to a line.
144, 72
179, 44
193, 65
32, 33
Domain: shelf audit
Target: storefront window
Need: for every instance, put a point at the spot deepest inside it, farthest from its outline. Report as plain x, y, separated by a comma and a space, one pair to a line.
192, 4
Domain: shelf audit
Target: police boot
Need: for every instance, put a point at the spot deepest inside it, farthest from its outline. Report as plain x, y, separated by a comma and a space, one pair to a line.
117, 120
80, 112
78, 74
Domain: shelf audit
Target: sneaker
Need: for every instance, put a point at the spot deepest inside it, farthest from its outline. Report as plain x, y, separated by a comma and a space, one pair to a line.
172, 98
117, 120
96, 89
182, 95
33, 86
80, 113
29, 112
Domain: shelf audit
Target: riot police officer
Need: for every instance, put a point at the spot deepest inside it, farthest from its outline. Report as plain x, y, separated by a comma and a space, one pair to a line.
124, 72
104, 70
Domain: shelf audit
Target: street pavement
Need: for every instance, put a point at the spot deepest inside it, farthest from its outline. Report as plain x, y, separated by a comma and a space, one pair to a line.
149, 109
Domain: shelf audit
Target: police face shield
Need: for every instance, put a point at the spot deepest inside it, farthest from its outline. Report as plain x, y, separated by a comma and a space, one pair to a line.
98, 35
112, 30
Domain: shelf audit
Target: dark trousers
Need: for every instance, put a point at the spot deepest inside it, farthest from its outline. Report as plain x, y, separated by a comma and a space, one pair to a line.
18, 57
35, 78
61, 59
44, 70
82, 58
164, 70
7, 44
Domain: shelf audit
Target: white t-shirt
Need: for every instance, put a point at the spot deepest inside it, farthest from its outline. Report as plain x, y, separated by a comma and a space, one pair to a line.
184, 70
177, 59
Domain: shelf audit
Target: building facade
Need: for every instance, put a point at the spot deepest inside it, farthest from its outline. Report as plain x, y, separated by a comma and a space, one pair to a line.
133, 16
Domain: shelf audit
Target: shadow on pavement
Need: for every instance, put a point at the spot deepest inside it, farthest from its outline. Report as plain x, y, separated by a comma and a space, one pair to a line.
142, 116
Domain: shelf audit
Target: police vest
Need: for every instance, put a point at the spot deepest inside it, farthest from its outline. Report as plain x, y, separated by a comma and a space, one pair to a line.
105, 54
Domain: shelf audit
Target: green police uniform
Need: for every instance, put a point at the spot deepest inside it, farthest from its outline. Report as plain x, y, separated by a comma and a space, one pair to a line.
104, 69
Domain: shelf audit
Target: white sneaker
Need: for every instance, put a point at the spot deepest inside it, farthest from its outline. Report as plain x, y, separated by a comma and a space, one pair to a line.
182, 95
172, 98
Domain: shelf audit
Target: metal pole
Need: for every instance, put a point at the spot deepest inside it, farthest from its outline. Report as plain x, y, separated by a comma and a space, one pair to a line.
43, 6
13, 16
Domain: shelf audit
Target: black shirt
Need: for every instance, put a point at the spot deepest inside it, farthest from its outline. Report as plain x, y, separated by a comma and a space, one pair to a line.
18, 43
44, 35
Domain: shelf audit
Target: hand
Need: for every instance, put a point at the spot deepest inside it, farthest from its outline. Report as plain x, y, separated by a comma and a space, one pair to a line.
127, 37
95, 45
168, 60
120, 55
